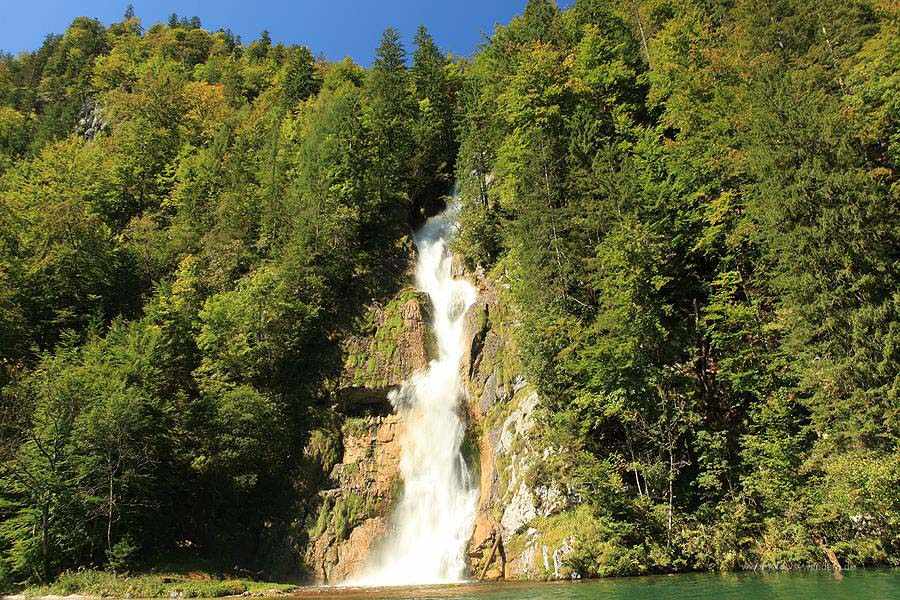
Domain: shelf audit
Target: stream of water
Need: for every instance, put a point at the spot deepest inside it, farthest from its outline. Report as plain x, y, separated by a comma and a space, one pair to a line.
434, 518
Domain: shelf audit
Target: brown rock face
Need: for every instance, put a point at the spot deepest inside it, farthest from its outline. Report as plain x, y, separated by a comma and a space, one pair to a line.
351, 555
353, 513
487, 556
485, 368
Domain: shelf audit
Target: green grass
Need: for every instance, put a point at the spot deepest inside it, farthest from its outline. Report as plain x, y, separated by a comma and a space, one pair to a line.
154, 585
355, 426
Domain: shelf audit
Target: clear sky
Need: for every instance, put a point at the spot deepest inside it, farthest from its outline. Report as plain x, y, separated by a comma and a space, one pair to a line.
333, 28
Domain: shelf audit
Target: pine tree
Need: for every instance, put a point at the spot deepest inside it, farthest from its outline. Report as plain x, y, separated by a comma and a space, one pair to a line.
392, 109
389, 76
435, 138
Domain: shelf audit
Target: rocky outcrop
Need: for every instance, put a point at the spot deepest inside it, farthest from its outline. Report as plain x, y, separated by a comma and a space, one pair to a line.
90, 120
510, 539
393, 343
352, 511
523, 528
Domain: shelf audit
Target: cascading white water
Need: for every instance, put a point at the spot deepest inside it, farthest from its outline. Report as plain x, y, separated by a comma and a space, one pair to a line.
435, 516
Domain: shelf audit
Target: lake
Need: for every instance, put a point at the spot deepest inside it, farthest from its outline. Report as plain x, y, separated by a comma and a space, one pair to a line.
856, 585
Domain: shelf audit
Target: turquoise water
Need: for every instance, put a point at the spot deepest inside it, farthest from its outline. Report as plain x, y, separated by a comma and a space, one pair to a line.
856, 585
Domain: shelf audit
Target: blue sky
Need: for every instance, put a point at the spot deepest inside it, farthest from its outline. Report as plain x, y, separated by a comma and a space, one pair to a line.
334, 28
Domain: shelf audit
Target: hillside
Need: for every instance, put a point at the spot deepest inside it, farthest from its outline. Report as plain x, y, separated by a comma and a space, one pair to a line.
680, 216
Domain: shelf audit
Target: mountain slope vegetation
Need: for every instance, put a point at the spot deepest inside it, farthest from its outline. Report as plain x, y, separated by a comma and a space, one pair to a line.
691, 207
189, 227
694, 205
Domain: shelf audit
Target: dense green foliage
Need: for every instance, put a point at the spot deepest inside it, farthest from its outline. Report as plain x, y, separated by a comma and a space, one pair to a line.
695, 206
188, 225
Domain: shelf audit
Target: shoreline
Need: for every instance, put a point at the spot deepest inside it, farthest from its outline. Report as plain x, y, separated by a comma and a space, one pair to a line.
313, 591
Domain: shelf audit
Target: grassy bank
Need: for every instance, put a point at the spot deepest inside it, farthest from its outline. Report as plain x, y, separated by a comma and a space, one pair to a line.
154, 585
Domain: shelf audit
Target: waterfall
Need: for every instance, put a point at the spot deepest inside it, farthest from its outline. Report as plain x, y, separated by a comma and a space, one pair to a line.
433, 520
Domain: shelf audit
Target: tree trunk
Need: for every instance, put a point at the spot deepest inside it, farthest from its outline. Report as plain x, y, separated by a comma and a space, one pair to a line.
671, 477
637, 479
45, 540
109, 515
640, 22
832, 558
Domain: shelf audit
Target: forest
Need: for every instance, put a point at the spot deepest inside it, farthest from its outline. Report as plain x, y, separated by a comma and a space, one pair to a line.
692, 206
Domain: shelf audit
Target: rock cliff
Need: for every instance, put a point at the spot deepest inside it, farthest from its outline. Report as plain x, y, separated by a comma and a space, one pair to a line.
521, 530
353, 510
515, 535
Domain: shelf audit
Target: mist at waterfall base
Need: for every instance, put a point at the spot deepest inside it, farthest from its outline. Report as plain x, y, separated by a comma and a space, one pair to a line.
433, 520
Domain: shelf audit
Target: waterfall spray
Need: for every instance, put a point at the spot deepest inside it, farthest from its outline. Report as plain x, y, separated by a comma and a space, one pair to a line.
434, 518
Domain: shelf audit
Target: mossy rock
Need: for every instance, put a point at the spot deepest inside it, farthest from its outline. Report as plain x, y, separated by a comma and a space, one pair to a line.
349, 512
372, 355
356, 426
471, 451
325, 447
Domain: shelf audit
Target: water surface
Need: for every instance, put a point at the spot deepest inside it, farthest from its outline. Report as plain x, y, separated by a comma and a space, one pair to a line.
856, 585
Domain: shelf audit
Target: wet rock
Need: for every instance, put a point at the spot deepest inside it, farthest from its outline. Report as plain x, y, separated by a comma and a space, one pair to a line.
487, 558
365, 485
352, 554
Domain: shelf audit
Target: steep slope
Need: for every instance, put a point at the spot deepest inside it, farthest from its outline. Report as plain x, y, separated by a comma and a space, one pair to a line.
522, 530
364, 483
